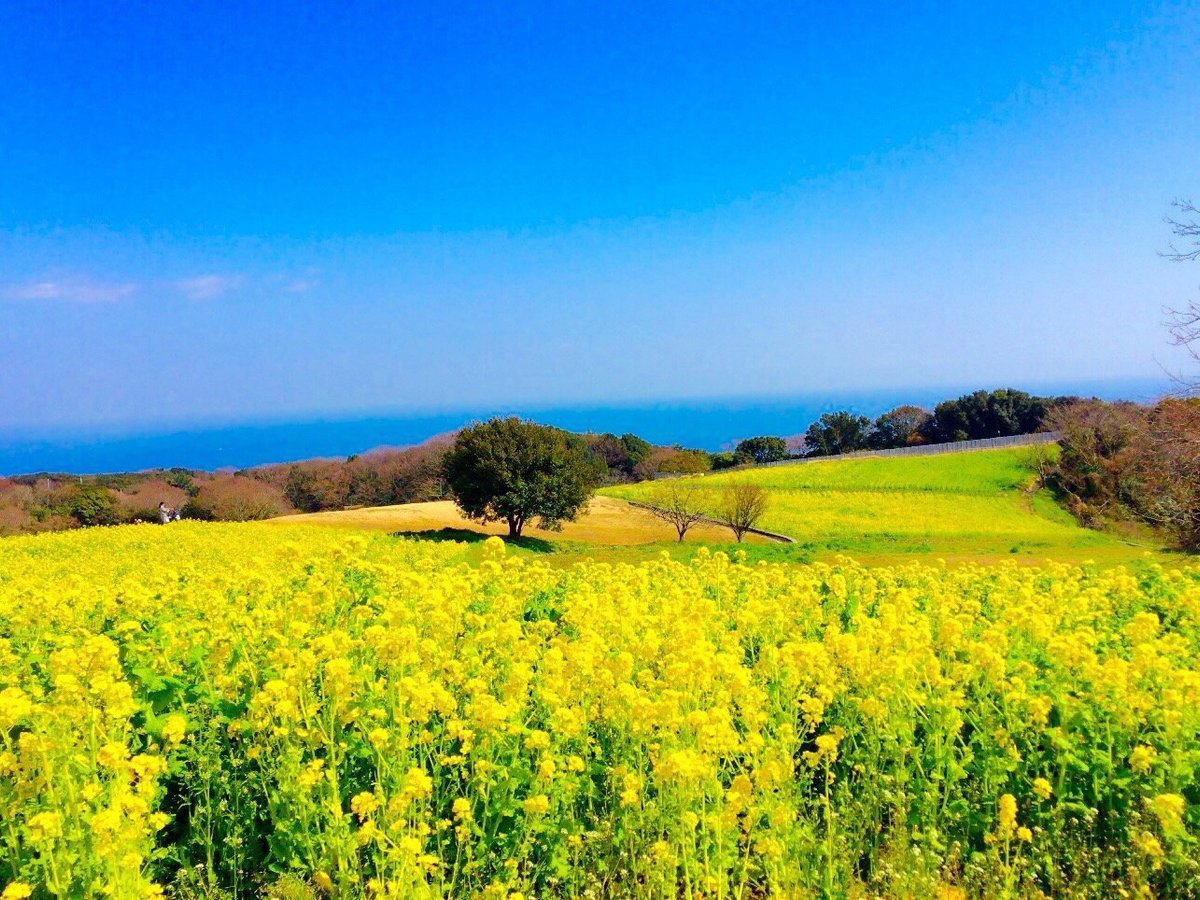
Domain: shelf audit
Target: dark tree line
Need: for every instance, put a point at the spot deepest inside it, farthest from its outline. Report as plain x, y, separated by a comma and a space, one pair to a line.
981, 414
1004, 412
46, 501
379, 478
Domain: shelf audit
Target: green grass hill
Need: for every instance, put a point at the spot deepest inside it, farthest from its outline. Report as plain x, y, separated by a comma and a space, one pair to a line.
979, 506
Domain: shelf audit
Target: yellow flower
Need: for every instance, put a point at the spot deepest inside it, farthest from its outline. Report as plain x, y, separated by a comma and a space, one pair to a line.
362, 805
631, 790
174, 729
106, 821
112, 755
1042, 788
1024, 834
1142, 758
537, 805
44, 826
312, 773
1149, 845
1039, 710
1169, 810
417, 783
17, 890
741, 788
148, 766
827, 748
1007, 815
537, 740
323, 882
14, 706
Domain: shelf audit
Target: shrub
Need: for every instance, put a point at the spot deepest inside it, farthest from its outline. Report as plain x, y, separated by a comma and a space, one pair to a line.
91, 504
236, 498
140, 503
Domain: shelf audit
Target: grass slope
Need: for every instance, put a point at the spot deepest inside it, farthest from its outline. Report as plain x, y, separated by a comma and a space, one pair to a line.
968, 506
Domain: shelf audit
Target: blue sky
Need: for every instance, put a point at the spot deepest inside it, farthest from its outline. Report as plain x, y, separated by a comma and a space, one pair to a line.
214, 214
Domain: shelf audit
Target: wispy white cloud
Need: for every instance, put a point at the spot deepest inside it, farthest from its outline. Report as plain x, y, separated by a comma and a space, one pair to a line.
301, 285
301, 282
206, 287
71, 291
199, 287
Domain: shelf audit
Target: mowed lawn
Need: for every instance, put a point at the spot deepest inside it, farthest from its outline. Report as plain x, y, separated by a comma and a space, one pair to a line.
606, 521
975, 506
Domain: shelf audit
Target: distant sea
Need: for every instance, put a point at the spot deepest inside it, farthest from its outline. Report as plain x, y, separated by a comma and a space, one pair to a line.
712, 425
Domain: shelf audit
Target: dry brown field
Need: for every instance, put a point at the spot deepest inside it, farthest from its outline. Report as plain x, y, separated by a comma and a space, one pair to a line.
606, 521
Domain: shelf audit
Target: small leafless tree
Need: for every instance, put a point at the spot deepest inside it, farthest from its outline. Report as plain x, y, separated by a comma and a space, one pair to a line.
679, 504
1184, 323
741, 506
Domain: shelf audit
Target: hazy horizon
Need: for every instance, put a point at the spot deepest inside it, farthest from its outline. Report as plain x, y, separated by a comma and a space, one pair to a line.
713, 424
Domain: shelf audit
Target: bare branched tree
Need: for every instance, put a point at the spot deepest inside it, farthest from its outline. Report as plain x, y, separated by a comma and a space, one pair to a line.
677, 503
1184, 323
741, 506
1185, 328
1186, 227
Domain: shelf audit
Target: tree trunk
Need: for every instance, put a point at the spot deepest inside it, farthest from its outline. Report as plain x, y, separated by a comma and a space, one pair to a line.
515, 524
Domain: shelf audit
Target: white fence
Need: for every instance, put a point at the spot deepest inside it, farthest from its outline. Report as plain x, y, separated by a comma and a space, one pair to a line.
1017, 440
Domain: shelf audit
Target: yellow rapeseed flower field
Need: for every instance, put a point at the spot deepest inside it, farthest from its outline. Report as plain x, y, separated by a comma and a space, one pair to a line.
218, 710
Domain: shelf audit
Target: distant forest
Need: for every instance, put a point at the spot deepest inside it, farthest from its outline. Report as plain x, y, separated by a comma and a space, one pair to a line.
53, 501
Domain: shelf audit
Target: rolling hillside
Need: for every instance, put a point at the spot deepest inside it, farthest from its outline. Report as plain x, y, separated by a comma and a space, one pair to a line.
977, 506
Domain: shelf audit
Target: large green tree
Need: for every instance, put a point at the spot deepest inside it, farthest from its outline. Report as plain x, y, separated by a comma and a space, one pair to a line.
898, 427
621, 454
988, 414
509, 470
762, 449
835, 433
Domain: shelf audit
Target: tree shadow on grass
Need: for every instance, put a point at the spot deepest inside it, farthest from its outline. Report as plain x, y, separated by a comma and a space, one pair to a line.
466, 536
